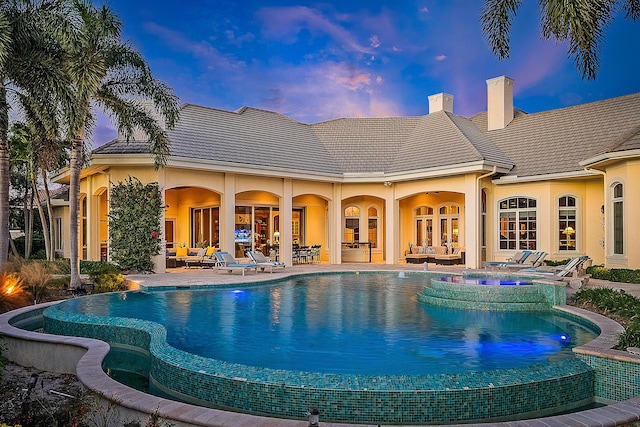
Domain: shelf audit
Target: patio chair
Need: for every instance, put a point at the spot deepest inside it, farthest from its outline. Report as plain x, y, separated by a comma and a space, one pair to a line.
516, 259
572, 267
263, 263
229, 263
195, 260
532, 260
210, 260
573, 270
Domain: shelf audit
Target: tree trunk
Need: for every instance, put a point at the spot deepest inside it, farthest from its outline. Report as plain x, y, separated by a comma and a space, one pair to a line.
77, 148
43, 218
4, 176
51, 255
28, 230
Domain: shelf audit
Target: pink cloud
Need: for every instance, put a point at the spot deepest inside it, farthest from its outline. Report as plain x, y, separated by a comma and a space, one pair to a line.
440, 57
336, 88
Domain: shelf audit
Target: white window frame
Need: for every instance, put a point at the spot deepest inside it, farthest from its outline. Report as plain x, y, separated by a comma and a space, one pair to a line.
517, 210
576, 236
614, 201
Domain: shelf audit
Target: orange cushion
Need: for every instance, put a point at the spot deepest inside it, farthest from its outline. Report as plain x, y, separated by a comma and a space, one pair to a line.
180, 252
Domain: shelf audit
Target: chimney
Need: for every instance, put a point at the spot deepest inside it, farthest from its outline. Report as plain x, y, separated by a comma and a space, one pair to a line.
499, 102
441, 102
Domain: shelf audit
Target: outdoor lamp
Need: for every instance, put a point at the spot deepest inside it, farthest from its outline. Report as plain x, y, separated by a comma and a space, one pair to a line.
314, 417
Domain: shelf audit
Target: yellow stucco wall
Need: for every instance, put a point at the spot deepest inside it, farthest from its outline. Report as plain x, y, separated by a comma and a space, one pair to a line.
627, 174
588, 194
187, 189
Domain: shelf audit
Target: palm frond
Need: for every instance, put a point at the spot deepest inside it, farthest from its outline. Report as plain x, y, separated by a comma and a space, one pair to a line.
582, 23
496, 17
632, 9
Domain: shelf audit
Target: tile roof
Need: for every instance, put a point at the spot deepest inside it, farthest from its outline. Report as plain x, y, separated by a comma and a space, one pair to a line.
556, 141
549, 142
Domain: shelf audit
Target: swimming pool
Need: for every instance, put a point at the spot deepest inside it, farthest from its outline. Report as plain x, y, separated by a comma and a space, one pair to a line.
387, 347
487, 280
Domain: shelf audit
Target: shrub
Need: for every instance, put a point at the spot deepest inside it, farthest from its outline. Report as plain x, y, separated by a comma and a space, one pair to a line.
623, 306
12, 294
92, 267
623, 275
108, 279
134, 224
36, 277
555, 263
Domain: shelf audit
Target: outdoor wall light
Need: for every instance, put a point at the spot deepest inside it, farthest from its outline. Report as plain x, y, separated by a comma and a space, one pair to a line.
314, 417
387, 183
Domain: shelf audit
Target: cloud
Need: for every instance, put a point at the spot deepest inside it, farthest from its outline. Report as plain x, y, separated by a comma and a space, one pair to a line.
440, 57
423, 10
337, 89
285, 23
374, 42
202, 50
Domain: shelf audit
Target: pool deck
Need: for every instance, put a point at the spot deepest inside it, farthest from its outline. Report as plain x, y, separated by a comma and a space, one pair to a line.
188, 415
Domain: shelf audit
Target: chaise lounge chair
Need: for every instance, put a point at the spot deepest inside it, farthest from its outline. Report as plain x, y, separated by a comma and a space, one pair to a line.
263, 263
528, 260
517, 258
229, 263
574, 268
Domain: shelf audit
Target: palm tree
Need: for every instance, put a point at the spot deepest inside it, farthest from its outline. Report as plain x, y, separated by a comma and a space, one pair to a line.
109, 74
29, 72
580, 22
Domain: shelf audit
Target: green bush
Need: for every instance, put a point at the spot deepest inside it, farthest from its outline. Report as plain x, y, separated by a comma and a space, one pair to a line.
623, 275
93, 267
631, 335
621, 304
134, 215
107, 278
556, 263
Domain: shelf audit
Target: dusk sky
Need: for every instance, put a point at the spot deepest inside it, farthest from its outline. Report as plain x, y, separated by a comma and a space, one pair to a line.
316, 61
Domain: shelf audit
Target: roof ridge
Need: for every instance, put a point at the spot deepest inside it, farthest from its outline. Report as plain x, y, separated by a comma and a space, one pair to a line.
465, 138
584, 105
618, 142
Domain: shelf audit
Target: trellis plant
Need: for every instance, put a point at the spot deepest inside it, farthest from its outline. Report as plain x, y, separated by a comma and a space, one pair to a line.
134, 224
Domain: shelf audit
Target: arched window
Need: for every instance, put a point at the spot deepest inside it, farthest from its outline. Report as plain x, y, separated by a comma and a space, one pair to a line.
618, 219
373, 226
352, 224
567, 231
518, 224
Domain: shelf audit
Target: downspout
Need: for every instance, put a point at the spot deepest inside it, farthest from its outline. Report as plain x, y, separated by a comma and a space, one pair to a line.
479, 229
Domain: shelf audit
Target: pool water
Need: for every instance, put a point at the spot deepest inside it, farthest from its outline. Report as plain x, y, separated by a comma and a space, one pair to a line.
342, 323
472, 280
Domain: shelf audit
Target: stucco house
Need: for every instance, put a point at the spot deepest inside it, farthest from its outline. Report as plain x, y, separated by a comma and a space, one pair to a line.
565, 181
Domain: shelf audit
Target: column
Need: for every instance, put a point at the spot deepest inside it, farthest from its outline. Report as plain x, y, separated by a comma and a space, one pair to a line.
392, 228
472, 218
286, 219
228, 214
336, 226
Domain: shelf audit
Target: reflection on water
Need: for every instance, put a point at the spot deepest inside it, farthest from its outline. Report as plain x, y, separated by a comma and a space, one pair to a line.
367, 324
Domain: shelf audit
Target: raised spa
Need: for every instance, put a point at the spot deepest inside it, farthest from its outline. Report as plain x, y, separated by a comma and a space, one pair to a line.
359, 347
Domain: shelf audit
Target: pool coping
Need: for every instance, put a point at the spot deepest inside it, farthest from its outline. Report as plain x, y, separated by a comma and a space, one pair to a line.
83, 357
